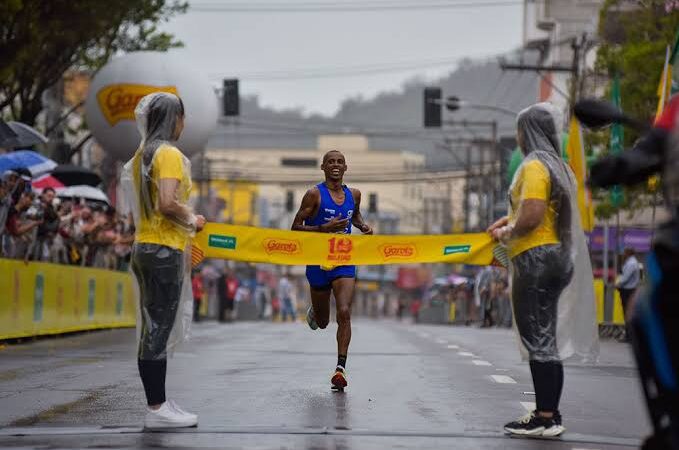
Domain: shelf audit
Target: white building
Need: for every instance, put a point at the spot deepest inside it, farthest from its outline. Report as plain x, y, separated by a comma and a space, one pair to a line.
409, 199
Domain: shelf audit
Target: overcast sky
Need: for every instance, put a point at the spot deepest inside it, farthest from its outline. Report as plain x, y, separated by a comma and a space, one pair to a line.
303, 48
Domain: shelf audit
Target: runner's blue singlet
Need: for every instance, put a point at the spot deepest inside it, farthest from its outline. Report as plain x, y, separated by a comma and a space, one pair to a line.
319, 278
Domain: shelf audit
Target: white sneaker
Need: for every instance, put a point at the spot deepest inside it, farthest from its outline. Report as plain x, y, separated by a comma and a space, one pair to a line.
168, 417
172, 404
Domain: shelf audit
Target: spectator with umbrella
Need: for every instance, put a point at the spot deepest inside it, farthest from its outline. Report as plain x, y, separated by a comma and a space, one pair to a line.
34, 162
21, 227
72, 175
47, 231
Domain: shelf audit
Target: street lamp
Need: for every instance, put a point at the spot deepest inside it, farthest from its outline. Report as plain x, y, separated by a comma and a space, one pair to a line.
454, 103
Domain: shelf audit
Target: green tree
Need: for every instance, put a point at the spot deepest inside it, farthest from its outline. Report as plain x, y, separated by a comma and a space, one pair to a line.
633, 44
40, 40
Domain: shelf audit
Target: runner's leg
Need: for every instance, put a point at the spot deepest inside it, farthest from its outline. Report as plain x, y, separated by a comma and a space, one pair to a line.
344, 295
320, 302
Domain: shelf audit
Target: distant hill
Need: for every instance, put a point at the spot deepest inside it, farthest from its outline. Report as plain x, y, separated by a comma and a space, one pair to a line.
392, 120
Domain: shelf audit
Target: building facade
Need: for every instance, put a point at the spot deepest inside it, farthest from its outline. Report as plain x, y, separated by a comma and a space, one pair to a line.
264, 186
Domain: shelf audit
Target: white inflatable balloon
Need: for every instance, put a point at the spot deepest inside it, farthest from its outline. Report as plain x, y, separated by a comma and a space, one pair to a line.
120, 84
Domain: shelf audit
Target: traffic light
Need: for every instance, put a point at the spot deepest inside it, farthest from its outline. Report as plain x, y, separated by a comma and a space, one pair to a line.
231, 99
290, 201
432, 107
372, 203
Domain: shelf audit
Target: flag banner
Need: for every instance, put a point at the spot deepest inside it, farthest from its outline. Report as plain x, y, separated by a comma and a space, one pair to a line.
265, 245
665, 86
617, 140
576, 159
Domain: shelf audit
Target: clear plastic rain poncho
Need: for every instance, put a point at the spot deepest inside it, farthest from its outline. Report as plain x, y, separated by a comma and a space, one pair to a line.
552, 284
163, 273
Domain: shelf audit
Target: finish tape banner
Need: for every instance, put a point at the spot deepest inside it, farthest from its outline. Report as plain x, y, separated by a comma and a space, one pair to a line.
264, 245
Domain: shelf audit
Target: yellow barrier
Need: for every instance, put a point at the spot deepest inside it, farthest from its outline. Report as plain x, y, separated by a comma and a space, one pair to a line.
618, 315
40, 298
264, 245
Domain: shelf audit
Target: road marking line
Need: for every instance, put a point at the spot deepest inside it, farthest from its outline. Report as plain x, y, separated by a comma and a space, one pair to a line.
529, 406
503, 379
424, 335
453, 347
480, 362
441, 341
502, 370
465, 354
577, 448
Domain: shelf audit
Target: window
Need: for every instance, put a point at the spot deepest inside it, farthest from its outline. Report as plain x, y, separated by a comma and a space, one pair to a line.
299, 162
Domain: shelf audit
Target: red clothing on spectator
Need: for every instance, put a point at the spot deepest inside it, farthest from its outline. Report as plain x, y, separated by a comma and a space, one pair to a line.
12, 224
231, 288
197, 285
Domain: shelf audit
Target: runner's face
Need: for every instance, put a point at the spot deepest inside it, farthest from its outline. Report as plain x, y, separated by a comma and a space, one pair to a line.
334, 166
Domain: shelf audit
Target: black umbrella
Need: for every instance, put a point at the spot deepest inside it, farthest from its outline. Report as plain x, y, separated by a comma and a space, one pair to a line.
8, 138
72, 175
27, 135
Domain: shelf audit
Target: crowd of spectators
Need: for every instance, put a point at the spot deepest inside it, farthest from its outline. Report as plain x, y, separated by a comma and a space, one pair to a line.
43, 227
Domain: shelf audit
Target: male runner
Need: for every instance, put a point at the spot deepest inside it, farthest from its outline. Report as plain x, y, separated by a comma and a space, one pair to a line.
331, 207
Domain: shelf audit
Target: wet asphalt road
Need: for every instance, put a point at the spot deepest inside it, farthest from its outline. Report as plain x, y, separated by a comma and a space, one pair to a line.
265, 386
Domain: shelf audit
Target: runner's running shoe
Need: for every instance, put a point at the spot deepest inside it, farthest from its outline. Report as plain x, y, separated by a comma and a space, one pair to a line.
339, 379
311, 319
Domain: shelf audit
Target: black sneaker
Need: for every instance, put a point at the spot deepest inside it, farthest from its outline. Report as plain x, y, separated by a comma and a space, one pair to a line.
533, 425
556, 429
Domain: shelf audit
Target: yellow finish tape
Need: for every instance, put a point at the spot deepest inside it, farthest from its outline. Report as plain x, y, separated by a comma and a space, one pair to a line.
264, 245
41, 298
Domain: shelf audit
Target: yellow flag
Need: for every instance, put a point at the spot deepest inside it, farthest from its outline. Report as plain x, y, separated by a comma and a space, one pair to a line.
265, 245
665, 85
664, 94
576, 159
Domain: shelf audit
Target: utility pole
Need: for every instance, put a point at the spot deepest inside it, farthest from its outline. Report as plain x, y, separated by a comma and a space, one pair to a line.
495, 158
573, 69
467, 190
448, 219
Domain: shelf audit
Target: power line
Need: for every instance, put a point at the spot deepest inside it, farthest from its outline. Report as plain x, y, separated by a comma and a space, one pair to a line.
338, 72
347, 7
275, 129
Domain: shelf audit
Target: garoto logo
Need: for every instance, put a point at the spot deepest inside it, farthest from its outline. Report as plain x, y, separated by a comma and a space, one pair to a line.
284, 246
117, 101
398, 251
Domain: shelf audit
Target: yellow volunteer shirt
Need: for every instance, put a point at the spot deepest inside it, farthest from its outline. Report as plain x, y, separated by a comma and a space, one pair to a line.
533, 182
157, 229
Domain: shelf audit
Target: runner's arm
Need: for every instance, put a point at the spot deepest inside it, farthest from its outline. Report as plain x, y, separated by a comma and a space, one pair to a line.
357, 219
307, 209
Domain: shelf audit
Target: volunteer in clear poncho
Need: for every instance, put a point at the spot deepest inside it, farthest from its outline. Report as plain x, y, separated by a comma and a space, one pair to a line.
157, 183
551, 274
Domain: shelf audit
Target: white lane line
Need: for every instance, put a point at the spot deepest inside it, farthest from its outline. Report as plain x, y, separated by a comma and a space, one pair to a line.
465, 354
480, 362
441, 341
529, 406
503, 379
453, 347
424, 335
502, 370
577, 448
